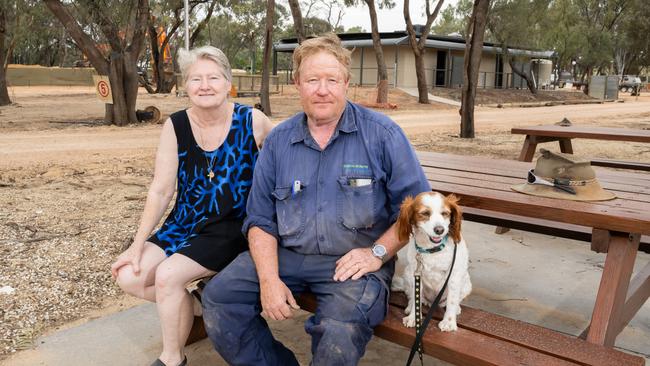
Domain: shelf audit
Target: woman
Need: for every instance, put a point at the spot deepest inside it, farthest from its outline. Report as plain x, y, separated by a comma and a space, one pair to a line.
209, 150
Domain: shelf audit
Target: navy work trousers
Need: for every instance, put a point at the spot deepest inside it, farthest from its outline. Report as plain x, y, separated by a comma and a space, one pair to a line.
340, 329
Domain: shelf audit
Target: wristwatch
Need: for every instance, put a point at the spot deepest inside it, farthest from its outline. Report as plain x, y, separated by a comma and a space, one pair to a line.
379, 251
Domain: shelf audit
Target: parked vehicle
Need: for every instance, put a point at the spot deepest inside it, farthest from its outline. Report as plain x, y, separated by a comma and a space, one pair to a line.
629, 83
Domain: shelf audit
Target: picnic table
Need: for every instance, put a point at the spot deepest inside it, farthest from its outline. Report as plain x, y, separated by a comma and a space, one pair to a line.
616, 227
564, 134
483, 186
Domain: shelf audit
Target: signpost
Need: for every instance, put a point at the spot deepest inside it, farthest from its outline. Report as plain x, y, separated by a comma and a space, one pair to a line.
103, 88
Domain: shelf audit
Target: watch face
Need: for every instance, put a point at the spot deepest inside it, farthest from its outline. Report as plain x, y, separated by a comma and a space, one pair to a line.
379, 250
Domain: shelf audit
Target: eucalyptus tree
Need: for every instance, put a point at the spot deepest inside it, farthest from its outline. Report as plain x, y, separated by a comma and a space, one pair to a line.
471, 65
453, 19
163, 29
418, 44
518, 23
111, 34
382, 72
4, 51
268, 44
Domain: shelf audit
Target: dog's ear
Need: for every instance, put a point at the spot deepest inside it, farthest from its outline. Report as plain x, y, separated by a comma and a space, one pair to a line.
456, 217
405, 219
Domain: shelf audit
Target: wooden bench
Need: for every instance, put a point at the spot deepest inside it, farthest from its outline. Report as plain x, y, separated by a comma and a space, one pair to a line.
482, 339
564, 134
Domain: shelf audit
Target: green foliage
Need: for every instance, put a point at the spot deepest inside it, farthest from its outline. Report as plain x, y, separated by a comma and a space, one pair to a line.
453, 19
36, 38
238, 30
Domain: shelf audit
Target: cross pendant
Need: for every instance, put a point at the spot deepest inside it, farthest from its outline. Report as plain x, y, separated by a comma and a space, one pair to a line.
211, 175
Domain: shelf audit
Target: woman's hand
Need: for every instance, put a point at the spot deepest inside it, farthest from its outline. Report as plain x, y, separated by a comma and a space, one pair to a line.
130, 256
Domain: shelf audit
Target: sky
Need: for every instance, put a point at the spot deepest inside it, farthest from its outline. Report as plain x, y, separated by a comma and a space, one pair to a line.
389, 20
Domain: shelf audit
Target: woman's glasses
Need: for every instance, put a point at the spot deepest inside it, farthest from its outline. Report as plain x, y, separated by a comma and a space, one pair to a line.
562, 185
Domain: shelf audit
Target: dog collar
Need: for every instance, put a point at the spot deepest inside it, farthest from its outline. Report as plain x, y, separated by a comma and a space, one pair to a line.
435, 249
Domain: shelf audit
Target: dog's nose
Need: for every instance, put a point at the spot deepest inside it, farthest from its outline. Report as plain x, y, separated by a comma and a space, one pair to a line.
439, 230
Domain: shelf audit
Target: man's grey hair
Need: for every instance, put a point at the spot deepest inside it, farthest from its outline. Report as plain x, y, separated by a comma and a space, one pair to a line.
188, 58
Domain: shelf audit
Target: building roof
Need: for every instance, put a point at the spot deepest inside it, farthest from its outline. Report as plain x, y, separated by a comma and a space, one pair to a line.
400, 38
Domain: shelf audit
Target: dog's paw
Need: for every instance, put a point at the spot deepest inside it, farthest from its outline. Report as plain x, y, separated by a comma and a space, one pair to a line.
407, 310
409, 321
448, 325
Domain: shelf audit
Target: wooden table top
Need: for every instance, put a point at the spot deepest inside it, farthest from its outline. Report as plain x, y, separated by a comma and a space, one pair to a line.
484, 183
588, 132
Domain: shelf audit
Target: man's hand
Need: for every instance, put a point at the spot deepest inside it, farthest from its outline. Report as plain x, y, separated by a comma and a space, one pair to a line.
355, 264
277, 300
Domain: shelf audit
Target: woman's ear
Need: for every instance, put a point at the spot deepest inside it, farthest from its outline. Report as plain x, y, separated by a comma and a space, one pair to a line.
405, 219
456, 217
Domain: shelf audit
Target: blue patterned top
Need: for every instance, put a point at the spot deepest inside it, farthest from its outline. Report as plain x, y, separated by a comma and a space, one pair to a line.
201, 202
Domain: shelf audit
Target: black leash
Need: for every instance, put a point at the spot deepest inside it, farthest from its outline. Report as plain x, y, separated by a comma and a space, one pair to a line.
417, 344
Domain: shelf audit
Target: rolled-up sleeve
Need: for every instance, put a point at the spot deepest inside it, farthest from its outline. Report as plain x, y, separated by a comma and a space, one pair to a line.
260, 208
404, 175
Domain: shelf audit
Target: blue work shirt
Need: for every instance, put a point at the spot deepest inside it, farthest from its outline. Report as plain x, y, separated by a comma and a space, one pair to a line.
345, 196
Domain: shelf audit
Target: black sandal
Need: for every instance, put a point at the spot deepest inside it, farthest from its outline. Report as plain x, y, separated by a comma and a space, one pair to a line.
157, 362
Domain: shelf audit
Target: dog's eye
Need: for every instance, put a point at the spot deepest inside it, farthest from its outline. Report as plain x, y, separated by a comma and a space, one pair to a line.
425, 213
446, 214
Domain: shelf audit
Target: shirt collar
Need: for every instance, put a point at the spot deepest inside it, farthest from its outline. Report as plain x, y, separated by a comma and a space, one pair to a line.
346, 124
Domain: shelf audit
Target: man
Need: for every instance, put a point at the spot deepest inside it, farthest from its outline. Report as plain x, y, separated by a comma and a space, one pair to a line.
326, 191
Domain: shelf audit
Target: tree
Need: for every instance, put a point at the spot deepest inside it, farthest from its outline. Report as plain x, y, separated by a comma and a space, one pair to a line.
471, 65
268, 43
294, 5
162, 30
418, 45
453, 19
520, 23
4, 93
382, 72
123, 29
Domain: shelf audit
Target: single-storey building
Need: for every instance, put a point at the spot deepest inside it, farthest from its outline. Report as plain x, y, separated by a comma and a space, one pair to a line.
443, 61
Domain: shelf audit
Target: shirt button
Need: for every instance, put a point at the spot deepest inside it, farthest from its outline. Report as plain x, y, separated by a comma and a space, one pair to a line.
321, 238
320, 209
320, 181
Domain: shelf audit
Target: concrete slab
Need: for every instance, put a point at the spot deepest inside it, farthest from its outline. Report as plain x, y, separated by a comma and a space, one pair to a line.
433, 98
534, 278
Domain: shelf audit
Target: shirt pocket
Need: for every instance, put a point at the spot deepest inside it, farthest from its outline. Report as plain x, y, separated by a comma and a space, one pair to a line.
355, 203
289, 211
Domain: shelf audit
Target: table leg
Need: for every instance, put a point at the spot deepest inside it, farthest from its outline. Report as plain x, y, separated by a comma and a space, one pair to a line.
565, 146
607, 316
528, 150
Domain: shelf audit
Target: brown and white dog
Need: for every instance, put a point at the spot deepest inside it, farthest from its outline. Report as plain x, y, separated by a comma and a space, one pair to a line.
431, 222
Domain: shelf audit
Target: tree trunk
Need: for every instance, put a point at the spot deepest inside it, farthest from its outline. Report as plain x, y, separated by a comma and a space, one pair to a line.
423, 91
297, 20
472, 62
528, 77
4, 93
382, 73
268, 43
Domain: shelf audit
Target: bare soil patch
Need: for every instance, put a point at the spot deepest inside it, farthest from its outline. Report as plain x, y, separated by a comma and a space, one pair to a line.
72, 189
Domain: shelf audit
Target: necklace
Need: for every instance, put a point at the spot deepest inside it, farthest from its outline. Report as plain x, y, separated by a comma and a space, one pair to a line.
209, 162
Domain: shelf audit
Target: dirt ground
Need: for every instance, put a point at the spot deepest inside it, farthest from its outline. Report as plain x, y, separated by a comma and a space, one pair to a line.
72, 189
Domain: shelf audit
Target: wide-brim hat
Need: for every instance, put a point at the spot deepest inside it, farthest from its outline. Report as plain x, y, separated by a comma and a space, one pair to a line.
564, 176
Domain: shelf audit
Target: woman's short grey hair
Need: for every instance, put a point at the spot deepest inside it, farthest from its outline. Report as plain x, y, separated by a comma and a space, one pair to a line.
188, 58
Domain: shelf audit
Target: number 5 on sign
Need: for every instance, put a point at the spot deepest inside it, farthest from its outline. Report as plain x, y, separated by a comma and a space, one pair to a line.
103, 88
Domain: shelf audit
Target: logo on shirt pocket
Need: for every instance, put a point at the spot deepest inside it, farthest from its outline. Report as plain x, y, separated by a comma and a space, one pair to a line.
355, 202
289, 211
